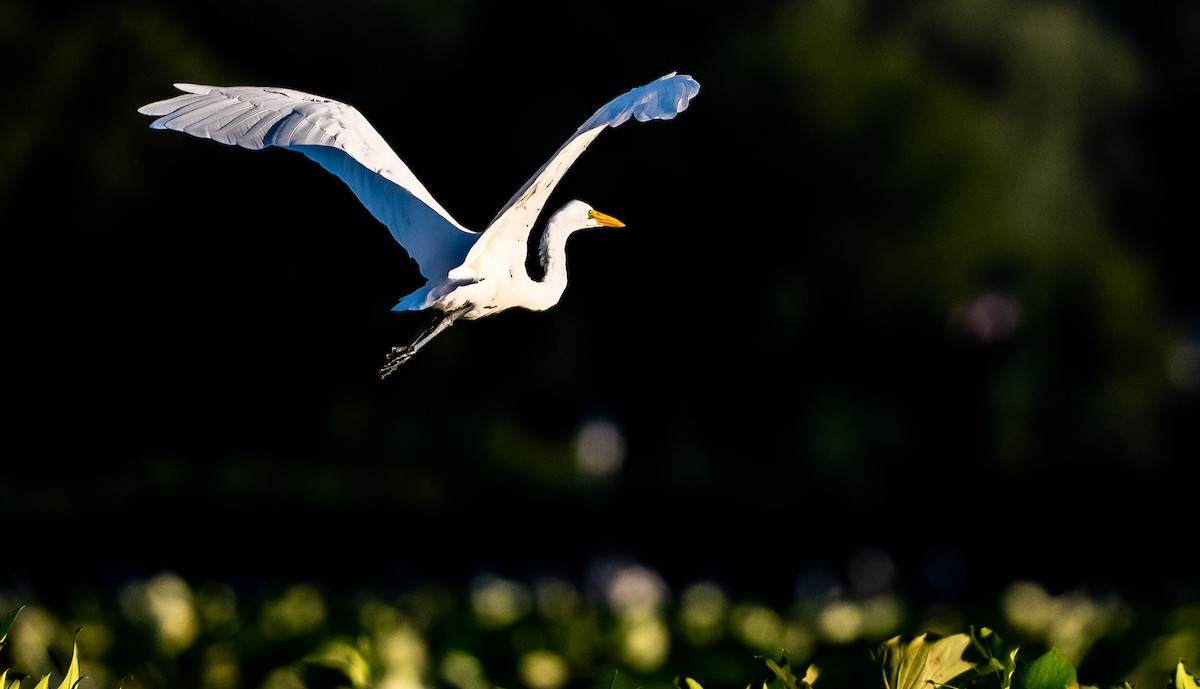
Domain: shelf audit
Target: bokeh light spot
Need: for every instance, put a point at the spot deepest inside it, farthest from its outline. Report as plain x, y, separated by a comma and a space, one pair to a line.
463, 670
757, 626
298, 611
544, 670
165, 602
498, 602
644, 642
599, 448
702, 610
840, 622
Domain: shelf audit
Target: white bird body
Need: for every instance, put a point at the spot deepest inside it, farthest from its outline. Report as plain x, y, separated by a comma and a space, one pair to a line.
469, 274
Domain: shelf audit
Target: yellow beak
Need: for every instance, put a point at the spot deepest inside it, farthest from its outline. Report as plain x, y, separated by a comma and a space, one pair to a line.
604, 219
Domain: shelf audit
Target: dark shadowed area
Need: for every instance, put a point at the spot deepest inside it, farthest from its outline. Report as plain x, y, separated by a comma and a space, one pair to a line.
905, 301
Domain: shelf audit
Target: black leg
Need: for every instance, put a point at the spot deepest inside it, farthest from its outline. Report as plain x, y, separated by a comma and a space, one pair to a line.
401, 354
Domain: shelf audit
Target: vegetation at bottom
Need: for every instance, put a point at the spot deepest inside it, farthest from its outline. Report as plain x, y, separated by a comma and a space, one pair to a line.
163, 633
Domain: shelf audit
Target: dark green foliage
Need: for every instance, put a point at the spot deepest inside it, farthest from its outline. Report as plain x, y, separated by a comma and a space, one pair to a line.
977, 659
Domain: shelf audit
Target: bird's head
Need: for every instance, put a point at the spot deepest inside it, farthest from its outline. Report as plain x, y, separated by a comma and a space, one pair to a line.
577, 215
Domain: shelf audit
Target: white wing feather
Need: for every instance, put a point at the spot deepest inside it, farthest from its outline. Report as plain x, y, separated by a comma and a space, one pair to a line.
338, 137
661, 99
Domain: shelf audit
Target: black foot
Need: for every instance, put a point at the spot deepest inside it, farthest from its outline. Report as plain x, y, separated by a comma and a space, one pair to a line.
395, 359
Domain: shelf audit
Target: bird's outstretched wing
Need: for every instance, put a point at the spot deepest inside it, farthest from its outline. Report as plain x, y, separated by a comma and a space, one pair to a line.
661, 99
339, 138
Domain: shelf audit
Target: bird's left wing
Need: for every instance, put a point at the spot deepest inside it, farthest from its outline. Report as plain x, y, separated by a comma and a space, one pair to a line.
661, 99
338, 137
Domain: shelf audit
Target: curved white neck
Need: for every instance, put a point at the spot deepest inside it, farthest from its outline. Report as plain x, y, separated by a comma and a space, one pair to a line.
552, 255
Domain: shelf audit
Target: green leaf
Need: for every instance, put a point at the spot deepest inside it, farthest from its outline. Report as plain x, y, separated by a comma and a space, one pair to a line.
923, 661
989, 654
1050, 671
687, 683
335, 664
7, 623
1012, 666
72, 677
784, 678
987, 650
14, 683
1183, 678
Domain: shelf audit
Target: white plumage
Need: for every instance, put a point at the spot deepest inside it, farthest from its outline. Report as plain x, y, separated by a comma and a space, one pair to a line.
469, 274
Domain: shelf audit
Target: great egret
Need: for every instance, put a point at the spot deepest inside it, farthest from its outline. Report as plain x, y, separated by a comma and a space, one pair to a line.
469, 274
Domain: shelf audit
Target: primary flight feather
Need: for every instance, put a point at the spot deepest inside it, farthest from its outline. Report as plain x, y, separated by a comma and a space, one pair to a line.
468, 274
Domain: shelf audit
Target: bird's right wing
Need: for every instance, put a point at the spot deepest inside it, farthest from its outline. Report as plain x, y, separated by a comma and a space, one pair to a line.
661, 99
339, 138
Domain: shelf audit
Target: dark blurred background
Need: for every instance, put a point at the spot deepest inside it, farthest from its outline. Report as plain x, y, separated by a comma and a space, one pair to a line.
911, 278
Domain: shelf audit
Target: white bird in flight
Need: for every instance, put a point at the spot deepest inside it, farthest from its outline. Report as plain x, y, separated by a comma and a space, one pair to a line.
469, 274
